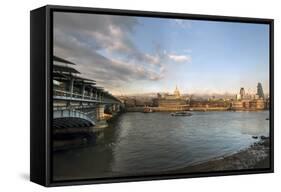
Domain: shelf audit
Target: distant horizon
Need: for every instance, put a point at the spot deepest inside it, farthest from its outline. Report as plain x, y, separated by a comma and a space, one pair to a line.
130, 55
192, 93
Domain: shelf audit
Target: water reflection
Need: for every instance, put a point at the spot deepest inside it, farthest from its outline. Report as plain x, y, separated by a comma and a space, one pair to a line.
139, 143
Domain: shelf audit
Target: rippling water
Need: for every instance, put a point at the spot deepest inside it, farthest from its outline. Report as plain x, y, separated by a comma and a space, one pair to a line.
148, 143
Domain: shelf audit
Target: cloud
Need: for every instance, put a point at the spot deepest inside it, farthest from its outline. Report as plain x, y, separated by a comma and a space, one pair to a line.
108, 72
82, 38
99, 31
110, 33
180, 58
103, 50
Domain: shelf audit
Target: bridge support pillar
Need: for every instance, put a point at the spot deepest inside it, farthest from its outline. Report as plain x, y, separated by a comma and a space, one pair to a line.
91, 92
113, 107
100, 120
100, 112
83, 91
71, 87
117, 107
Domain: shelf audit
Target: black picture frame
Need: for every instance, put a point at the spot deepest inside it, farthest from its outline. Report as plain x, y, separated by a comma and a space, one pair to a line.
41, 54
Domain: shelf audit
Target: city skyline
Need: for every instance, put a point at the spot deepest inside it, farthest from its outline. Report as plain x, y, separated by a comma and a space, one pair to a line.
129, 55
250, 92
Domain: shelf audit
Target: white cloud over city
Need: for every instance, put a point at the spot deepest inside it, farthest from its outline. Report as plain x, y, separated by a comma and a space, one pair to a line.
103, 49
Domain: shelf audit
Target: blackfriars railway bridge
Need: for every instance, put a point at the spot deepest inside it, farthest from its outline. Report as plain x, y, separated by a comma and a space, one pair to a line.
78, 103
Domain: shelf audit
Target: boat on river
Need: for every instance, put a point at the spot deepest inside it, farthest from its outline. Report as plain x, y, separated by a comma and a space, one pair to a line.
181, 113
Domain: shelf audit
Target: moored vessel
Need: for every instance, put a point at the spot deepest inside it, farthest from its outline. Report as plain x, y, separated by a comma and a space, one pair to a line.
181, 113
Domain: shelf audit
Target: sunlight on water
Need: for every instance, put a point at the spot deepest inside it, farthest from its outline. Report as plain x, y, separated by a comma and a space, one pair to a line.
137, 143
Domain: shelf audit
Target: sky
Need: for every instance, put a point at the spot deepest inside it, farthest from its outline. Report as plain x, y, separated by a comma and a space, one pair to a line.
131, 55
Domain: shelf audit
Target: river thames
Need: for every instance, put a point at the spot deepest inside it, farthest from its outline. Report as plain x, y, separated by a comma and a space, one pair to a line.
151, 143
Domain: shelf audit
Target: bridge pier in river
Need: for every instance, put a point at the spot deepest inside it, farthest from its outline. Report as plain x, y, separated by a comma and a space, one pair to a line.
115, 108
100, 112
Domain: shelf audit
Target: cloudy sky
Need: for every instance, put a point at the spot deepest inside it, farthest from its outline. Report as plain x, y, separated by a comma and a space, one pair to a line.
128, 55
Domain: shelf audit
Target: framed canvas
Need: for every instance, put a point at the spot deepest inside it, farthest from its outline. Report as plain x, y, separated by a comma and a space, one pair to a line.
123, 95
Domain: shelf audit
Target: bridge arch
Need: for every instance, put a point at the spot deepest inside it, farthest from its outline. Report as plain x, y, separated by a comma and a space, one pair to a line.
71, 119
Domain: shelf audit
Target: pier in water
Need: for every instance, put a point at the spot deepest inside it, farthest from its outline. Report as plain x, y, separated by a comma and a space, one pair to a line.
151, 143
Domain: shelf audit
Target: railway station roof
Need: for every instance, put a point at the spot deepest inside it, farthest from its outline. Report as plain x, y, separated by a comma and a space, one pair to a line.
67, 77
58, 59
66, 69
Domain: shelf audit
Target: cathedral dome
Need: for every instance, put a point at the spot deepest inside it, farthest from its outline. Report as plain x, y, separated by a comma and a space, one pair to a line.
177, 92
